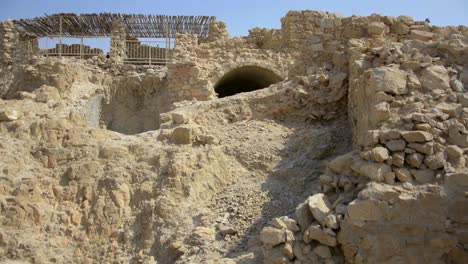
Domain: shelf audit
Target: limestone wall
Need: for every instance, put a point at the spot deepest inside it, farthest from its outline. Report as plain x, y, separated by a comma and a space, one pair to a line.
8, 38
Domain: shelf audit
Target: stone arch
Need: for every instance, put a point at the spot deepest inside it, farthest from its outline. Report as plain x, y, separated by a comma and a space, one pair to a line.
245, 78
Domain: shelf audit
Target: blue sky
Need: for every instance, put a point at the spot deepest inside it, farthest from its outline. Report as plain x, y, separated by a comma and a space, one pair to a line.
242, 15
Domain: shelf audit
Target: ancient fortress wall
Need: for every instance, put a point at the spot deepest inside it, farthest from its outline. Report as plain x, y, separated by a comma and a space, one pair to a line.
355, 153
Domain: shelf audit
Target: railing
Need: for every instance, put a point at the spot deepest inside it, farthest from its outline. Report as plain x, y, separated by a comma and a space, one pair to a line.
30, 48
150, 52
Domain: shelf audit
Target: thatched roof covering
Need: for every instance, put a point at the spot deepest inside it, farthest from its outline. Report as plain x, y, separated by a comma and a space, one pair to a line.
100, 25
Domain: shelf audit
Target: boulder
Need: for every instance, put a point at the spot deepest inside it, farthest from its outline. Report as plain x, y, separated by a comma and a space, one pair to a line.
10, 115
436, 161
453, 110
271, 236
398, 159
379, 154
425, 148
371, 170
415, 159
182, 135
285, 222
453, 151
423, 176
319, 207
376, 28
400, 28
396, 145
421, 35
417, 136
341, 164
403, 175
456, 85
363, 210
435, 77
460, 140
388, 79
315, 232
303, 215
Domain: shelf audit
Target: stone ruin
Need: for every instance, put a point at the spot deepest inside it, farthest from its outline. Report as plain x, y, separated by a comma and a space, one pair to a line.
330, 140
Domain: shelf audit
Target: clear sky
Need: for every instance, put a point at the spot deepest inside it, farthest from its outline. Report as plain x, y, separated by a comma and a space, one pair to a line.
241, 15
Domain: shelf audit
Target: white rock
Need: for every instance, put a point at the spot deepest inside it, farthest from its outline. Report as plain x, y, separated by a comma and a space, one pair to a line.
319, 206
10, 115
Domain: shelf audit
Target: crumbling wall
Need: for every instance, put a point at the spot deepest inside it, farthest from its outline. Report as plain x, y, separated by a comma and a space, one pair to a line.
118, 38
8, 40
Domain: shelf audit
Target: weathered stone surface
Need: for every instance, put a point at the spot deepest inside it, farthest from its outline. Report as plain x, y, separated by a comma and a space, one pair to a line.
388, 79
435, 77
403, 175
436, 161
379, 154
342, 163
396, 145
425, 148
182, 135
454, 151
319, 207
271, 236
417, 136
376, 28
363, 210
315, 232
454, 110
398, 159
423, 176
421, 35
374, 171
415, 160
460, 140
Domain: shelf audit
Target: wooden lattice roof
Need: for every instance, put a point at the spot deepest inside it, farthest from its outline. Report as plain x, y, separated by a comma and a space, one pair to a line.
100, 25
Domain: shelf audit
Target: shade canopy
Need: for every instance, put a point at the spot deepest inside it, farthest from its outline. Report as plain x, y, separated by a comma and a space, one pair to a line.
100, 25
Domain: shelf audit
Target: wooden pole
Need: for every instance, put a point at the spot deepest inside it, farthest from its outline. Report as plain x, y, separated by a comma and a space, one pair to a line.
167, 40
81, 48
60, 38
149, 52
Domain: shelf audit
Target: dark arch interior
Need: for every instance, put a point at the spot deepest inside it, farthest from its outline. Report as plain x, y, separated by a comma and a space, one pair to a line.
245, 79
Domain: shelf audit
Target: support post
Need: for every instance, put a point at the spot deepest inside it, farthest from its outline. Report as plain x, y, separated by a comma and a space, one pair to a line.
60, 37
149, 53
167, 40
81, 48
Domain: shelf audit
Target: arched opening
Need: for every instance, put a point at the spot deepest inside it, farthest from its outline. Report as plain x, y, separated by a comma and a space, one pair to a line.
245, 79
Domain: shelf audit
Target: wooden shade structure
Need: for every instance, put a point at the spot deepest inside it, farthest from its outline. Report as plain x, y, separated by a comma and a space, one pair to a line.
100, 25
